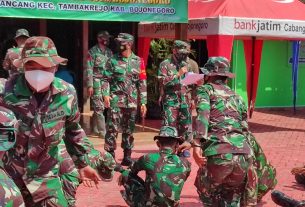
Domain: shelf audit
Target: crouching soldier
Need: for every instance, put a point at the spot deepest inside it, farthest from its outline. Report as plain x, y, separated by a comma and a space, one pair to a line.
9, 192
102, 162
166, 173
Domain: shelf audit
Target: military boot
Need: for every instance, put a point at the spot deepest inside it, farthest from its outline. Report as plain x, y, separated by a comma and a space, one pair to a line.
127, 161
282, 200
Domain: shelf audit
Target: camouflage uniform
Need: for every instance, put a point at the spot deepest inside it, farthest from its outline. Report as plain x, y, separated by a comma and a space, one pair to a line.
166, 173
222, 116
176, 99
10, 195
96, 61
69, 176
13, 54
266, 173
34, 162
124, 80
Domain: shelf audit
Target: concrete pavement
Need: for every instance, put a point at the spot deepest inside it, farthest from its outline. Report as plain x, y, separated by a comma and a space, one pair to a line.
280, 133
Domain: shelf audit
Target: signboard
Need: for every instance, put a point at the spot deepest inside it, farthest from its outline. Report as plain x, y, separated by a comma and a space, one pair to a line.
99, 10
199, 28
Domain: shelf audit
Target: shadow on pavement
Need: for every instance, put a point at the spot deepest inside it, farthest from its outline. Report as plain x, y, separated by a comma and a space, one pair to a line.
260, 128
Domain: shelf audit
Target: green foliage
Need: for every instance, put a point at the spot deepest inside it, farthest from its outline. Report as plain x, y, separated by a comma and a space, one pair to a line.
160, 49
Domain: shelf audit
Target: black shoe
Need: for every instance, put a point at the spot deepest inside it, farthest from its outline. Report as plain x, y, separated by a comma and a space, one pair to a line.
127, 161
282, 200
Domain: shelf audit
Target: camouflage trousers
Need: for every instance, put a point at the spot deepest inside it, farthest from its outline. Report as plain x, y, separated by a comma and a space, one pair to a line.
180, 118
70, 182
124, 119
225, 180
98, 108
135, 194
266, 173
57, 199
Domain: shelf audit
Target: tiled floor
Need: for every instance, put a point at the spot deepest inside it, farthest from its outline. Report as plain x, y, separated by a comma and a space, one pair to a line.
281, 133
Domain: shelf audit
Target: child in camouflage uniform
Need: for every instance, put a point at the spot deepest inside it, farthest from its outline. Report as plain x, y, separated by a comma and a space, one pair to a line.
166, 173
10, 196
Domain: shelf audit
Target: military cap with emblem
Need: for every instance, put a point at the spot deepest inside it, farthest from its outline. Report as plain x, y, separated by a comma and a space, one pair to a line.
181, 46
41, 50
217, 66
104, 33
124, 38
22, 32
169, 132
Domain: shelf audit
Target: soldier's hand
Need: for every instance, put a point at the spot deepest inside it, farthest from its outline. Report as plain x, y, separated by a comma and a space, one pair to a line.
184, 146
182, 71
90, 91
200, 82
107, 100
89, 176
143, 110
199, 159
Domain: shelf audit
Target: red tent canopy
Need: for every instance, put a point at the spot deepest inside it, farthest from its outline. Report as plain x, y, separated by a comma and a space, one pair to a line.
269, 9
220, 21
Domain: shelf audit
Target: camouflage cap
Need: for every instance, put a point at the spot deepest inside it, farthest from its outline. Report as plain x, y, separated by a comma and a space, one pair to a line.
104, 33
22, 32
217, 66
170, 132
181, 46
8, 126
124, 38
41, 50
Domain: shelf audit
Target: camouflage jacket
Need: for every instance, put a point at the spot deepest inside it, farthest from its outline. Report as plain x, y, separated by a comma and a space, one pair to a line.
96, 61
10, 195
34, 159
11, 55
165, 176
221, 120
174, 93
124, 79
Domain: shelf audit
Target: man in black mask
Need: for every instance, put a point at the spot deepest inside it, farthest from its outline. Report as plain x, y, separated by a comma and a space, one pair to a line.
96, 60
175, 96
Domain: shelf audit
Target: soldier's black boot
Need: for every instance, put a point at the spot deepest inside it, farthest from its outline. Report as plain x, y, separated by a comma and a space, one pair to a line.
282, 200
127, 161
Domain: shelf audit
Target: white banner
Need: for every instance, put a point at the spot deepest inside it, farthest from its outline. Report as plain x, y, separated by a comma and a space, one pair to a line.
198, 29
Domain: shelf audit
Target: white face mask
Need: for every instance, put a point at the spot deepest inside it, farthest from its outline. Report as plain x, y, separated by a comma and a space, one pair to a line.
39, 79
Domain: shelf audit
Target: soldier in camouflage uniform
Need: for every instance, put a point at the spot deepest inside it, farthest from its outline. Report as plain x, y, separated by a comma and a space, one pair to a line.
48, 110
10, 195
96, 60
103, 162
176, 100
15, 52
222, 116
166, 173
124, 82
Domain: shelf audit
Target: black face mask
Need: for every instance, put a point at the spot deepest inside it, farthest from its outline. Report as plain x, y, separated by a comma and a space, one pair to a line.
122, 48
181, 57
106, 42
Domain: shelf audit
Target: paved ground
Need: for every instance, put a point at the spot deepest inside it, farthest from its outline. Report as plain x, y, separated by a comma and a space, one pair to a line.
280, 133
